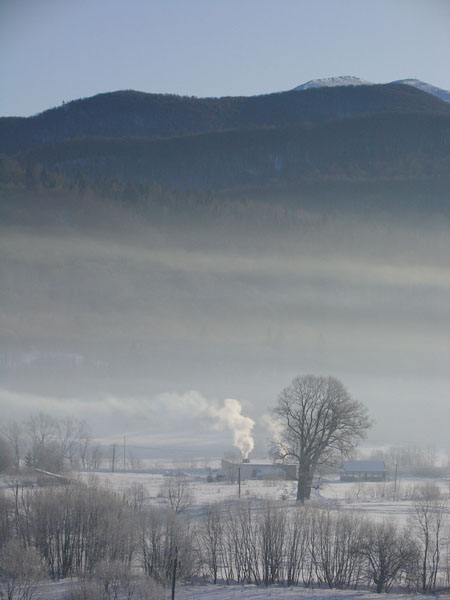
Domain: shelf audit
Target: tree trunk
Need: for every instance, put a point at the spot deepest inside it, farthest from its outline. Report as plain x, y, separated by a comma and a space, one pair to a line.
305, 477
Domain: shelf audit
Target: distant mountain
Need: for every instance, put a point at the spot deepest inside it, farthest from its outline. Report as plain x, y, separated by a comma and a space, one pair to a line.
343, 80
426, 87
347, 133
349, 80
129, 113
372, 147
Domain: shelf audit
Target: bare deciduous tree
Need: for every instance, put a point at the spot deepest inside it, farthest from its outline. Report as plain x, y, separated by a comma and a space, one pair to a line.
133, 461
177, 493
6, 455
319, 421
41, 429
20, 569
95, 458
13, 432
71, 436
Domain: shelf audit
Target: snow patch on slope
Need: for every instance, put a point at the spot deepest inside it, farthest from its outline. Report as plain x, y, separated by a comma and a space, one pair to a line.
426, 87
332, 82
349, 80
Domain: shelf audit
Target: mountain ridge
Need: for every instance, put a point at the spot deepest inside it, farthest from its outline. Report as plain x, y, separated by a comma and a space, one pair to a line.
358, 133
131, 113
351, 80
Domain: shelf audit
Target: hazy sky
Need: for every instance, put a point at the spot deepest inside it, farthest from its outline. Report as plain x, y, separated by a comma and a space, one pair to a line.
58, 50
120, 328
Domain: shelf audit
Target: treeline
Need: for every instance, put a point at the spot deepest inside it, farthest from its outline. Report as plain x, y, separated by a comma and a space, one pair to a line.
32, 194
45, 442
122, 543
412, 460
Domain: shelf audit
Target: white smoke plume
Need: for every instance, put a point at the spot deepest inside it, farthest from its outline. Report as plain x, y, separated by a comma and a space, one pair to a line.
229, 416
273, 426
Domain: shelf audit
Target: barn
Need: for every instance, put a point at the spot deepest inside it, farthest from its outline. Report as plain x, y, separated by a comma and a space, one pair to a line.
249, 470
363, 470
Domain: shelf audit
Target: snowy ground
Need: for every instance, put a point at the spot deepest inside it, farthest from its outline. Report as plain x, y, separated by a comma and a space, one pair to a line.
372, 498
61, 591
251, 592
367, 497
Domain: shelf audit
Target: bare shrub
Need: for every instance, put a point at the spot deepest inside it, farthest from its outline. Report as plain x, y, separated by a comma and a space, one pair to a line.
212, 536
77, 526
135, 496
430, 524
298, 565
138, 587
20, 569
389, 553
85, 591
336, 548
271, 536
167, 537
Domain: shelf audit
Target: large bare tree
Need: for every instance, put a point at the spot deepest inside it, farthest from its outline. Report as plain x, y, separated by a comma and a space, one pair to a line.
319, 421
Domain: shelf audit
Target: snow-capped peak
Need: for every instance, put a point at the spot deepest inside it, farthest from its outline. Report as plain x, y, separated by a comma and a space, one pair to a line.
426, 87
332, 82
348, 80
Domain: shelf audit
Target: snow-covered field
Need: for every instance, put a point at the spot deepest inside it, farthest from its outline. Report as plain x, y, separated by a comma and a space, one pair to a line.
375, 499
251, 592
61, 591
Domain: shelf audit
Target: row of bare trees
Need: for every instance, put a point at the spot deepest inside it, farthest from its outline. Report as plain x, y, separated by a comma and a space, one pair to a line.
56, 445
45, 442
85, 531
268, 545
411, 459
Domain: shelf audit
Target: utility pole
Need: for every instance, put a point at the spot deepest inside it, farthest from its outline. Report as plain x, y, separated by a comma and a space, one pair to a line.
113, 458
174, 572
124, 454
395, 482
239, 481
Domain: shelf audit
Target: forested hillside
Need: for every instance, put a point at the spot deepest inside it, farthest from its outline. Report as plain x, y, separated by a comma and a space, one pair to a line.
384, 146
130, 113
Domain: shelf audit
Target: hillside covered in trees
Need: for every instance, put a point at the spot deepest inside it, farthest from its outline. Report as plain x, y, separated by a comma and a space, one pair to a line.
364, 133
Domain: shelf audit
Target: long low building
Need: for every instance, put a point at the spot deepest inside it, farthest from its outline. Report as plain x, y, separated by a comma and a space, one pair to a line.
363, 470
249, 470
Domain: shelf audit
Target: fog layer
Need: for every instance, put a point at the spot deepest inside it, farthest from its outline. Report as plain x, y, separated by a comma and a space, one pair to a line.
110, 325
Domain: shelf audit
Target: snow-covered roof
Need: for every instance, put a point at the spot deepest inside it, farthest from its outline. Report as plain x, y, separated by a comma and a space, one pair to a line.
49, 474
365, 465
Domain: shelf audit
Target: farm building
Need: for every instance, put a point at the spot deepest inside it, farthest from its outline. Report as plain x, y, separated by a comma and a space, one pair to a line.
363, 470
249, 470
45, 478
